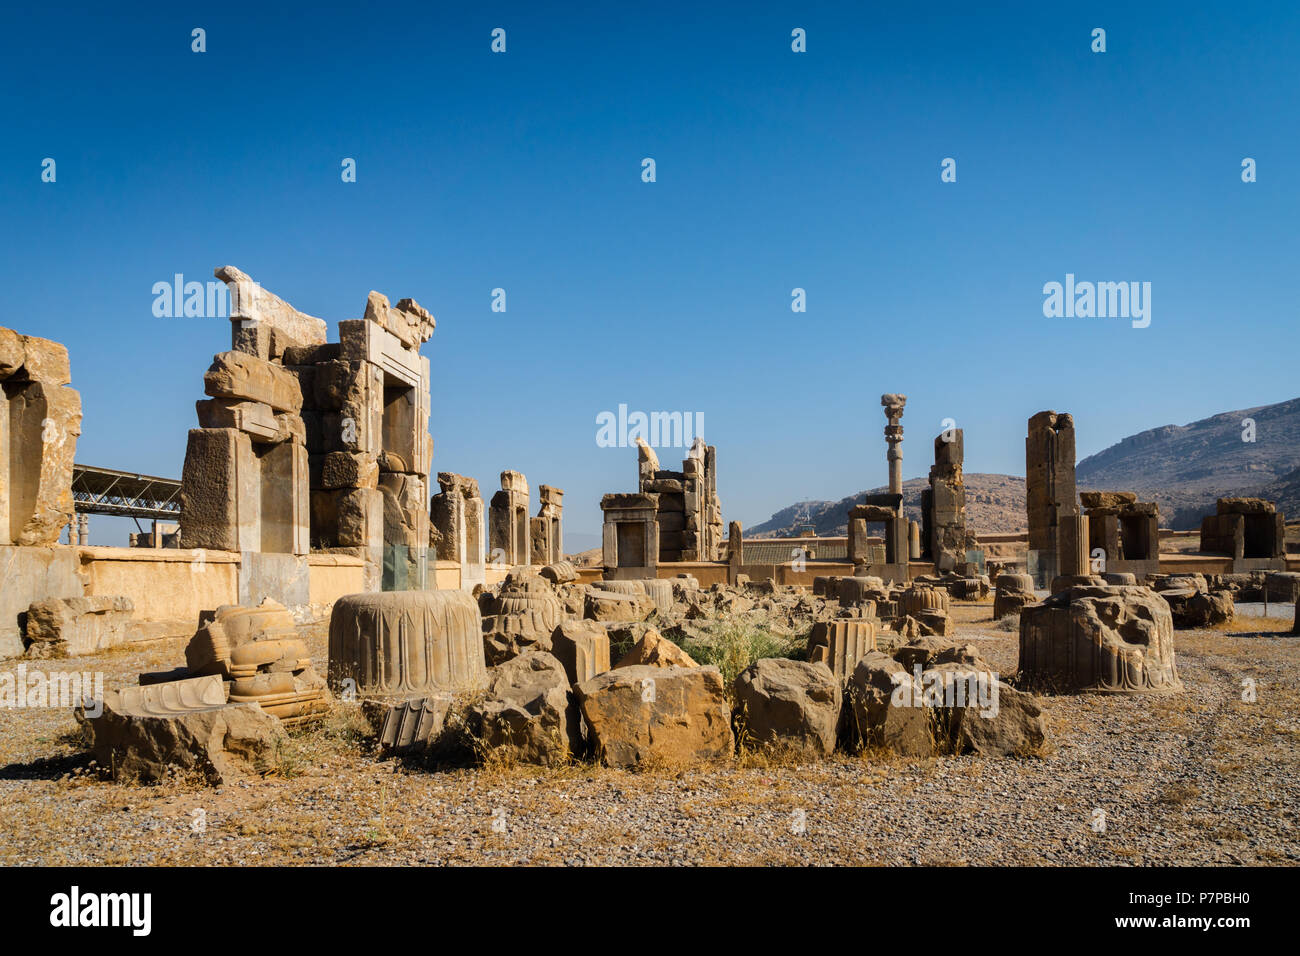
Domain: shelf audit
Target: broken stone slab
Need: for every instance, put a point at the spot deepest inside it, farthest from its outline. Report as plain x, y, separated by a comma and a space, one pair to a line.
408, 726
265, 324
408, 320
45, 361
673, 715
789, 704
73, 627
655, 650
527, 715
560, 572
244, 377
1107, 499
145, 731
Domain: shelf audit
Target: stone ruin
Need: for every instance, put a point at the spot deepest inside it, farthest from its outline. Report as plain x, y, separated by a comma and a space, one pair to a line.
630, 535
546, 531
943, 505
308, 445
689, 516
1127, 532
456, 529
40, 421
246, 677
1251, 531
885, 555
1058, 534
509, 537
1105, 639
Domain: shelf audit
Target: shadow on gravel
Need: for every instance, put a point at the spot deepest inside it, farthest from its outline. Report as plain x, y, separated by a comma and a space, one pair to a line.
46, 768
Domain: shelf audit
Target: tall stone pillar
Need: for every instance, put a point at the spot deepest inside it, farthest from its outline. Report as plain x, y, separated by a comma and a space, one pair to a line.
893, 405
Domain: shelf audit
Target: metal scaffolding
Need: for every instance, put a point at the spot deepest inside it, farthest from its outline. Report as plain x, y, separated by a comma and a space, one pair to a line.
103, 491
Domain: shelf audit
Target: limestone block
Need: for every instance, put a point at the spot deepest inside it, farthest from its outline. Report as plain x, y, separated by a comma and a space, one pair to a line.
341, 469
46, 362
73, 627
28, 575
254, 418
790, 704
245, 377
1198, 609
360, 518
407, 643
673, 715
601, 605
369, 342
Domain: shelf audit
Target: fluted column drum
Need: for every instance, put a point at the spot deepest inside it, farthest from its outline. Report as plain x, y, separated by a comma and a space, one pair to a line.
407, 643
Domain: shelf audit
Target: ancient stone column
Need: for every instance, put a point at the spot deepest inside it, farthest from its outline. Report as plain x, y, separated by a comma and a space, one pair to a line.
893, 405
1050, 494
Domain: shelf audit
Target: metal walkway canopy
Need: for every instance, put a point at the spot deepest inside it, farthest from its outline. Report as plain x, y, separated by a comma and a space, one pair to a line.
103, 491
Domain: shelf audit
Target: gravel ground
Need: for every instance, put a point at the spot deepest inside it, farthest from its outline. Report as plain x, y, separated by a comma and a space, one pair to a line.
1200, 778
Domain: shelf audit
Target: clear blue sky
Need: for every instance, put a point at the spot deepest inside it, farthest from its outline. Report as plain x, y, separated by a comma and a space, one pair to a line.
775, 170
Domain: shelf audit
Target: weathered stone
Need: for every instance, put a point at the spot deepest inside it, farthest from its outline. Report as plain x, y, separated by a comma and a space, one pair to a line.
601, 605
522, 619
582, 647
406, 643
898, 722
841, 643
674, 715
43, 423
1109, 639
145, 731
408, 320
789, 704
527, 715
1197, 609
46, 362
1106, 499
341, 469
1013, 725
72, 627
655, 650
245, 377
263, 323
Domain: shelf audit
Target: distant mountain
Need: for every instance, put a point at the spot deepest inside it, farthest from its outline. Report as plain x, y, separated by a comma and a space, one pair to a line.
993, 503
1183, 468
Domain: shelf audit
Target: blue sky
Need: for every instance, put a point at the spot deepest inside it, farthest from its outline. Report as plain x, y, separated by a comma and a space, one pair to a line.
775, 170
